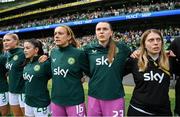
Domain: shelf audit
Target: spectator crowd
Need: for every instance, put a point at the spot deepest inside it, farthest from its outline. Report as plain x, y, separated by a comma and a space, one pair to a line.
98, 13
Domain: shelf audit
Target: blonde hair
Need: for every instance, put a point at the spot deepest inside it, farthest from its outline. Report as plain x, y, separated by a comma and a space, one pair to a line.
72, 41
143, 61
13, 36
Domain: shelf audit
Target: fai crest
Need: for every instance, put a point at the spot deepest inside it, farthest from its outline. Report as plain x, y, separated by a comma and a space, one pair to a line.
71, 60
15, 58
36, 67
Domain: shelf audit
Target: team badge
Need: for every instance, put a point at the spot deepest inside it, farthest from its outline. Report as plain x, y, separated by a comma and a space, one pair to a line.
15, 58
36, 67
71, 60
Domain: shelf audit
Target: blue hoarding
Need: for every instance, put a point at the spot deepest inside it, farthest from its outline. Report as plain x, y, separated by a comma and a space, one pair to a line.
92, 21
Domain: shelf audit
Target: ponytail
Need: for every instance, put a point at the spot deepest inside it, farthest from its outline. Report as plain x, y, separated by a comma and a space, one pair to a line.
111, 51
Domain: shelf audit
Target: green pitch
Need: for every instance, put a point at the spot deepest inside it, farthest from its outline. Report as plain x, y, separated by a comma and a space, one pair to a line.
128, 92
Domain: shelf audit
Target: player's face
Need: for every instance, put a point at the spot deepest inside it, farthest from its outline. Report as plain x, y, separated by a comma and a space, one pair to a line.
153, 43
103, 32
9, 42
29, 50
61, 37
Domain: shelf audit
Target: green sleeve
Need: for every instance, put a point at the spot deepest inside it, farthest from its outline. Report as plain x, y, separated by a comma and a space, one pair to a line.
48, 69
84, 63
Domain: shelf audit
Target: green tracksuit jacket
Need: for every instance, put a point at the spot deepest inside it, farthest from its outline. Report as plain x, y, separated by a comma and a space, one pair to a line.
37, 75
15, 70
68, 65
106, 79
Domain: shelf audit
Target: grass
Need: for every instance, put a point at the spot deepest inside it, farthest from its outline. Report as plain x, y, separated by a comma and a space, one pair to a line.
128, 92
129, 89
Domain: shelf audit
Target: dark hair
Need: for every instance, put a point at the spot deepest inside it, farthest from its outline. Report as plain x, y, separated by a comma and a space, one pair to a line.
1, 45
37, 44
112, 46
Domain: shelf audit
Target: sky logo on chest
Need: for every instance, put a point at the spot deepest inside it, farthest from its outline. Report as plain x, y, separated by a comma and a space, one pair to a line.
9, 65
27, 76
58, 71
103, 61
151, 76
63, 72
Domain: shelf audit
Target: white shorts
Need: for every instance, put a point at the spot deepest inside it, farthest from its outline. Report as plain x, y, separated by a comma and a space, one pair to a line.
4, 99
34, 111
17, 99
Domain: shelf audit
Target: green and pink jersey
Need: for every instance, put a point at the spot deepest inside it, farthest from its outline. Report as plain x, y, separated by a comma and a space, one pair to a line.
67, 66
106, 78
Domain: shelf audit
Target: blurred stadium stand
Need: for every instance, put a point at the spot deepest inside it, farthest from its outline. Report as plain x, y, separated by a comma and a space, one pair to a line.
28, 12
